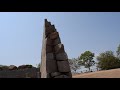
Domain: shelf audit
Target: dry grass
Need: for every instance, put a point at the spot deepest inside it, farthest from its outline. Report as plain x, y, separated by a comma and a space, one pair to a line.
113, 73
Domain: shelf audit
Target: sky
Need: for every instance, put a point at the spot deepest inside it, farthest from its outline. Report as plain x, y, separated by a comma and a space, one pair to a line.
21, 34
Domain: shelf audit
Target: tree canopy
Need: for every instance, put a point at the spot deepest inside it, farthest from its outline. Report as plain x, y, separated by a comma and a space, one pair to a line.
86, 59
74, 64
107, 60
118, 51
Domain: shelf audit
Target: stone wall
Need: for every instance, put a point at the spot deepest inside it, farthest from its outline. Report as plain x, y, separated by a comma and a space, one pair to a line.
20, 73
54, 59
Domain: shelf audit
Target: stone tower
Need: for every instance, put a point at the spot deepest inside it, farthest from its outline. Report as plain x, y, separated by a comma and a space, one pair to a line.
54, 60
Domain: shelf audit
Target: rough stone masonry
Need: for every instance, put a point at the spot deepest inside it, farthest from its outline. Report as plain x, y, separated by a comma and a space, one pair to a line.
54, 59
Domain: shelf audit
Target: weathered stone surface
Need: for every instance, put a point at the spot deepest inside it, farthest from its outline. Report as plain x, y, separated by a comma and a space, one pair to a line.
19, 73
62, 76
61, 56
68, 74
53, 54
57, 41
63, 66
59, 48
47, 24
50, 56
49, 42
4, 68
49, 30
12, 67
43, 54
25, 66
22, 67
55, 74
48, 75
53, 27
51, 66
49, 49
54, 35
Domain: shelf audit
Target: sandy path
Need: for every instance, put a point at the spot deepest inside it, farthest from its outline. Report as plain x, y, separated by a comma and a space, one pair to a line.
113, 73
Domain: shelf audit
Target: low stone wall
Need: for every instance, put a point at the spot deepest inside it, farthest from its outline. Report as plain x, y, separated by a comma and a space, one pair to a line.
20, 73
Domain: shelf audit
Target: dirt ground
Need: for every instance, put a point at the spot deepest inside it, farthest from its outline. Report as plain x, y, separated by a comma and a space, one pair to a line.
113, 73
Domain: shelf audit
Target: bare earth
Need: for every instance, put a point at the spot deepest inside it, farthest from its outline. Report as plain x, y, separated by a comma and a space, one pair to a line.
113, 73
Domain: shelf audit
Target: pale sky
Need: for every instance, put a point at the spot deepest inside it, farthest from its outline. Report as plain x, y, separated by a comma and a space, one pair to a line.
21, 34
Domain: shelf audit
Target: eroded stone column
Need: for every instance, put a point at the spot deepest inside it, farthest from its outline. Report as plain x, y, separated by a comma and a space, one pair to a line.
54, 59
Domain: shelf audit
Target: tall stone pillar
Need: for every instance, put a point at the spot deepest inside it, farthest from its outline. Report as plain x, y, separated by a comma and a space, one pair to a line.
54, 60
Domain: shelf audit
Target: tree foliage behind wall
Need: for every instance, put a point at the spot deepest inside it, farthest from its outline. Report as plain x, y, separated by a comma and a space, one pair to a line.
86, 59
107, 60
118, 51
74, 64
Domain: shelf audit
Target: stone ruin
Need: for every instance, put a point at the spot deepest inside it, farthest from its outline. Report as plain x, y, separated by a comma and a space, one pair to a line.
22, 71
54, 59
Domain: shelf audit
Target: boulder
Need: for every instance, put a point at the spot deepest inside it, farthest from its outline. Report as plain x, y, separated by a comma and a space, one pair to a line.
51, 66
25, 66
62, 76
12, 67
61, 56
59, 48
49, 49
55, 74
50, 56
63, 66
5, 68
49, 41
56, 41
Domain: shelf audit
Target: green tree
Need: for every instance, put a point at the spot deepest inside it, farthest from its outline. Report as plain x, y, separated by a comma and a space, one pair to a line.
107, 60
118, 51
86, 59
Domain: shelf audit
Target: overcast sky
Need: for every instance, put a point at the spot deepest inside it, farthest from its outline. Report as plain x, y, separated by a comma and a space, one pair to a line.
21, 34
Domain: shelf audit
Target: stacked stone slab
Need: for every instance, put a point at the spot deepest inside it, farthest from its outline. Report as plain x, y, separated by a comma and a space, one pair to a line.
54, 60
